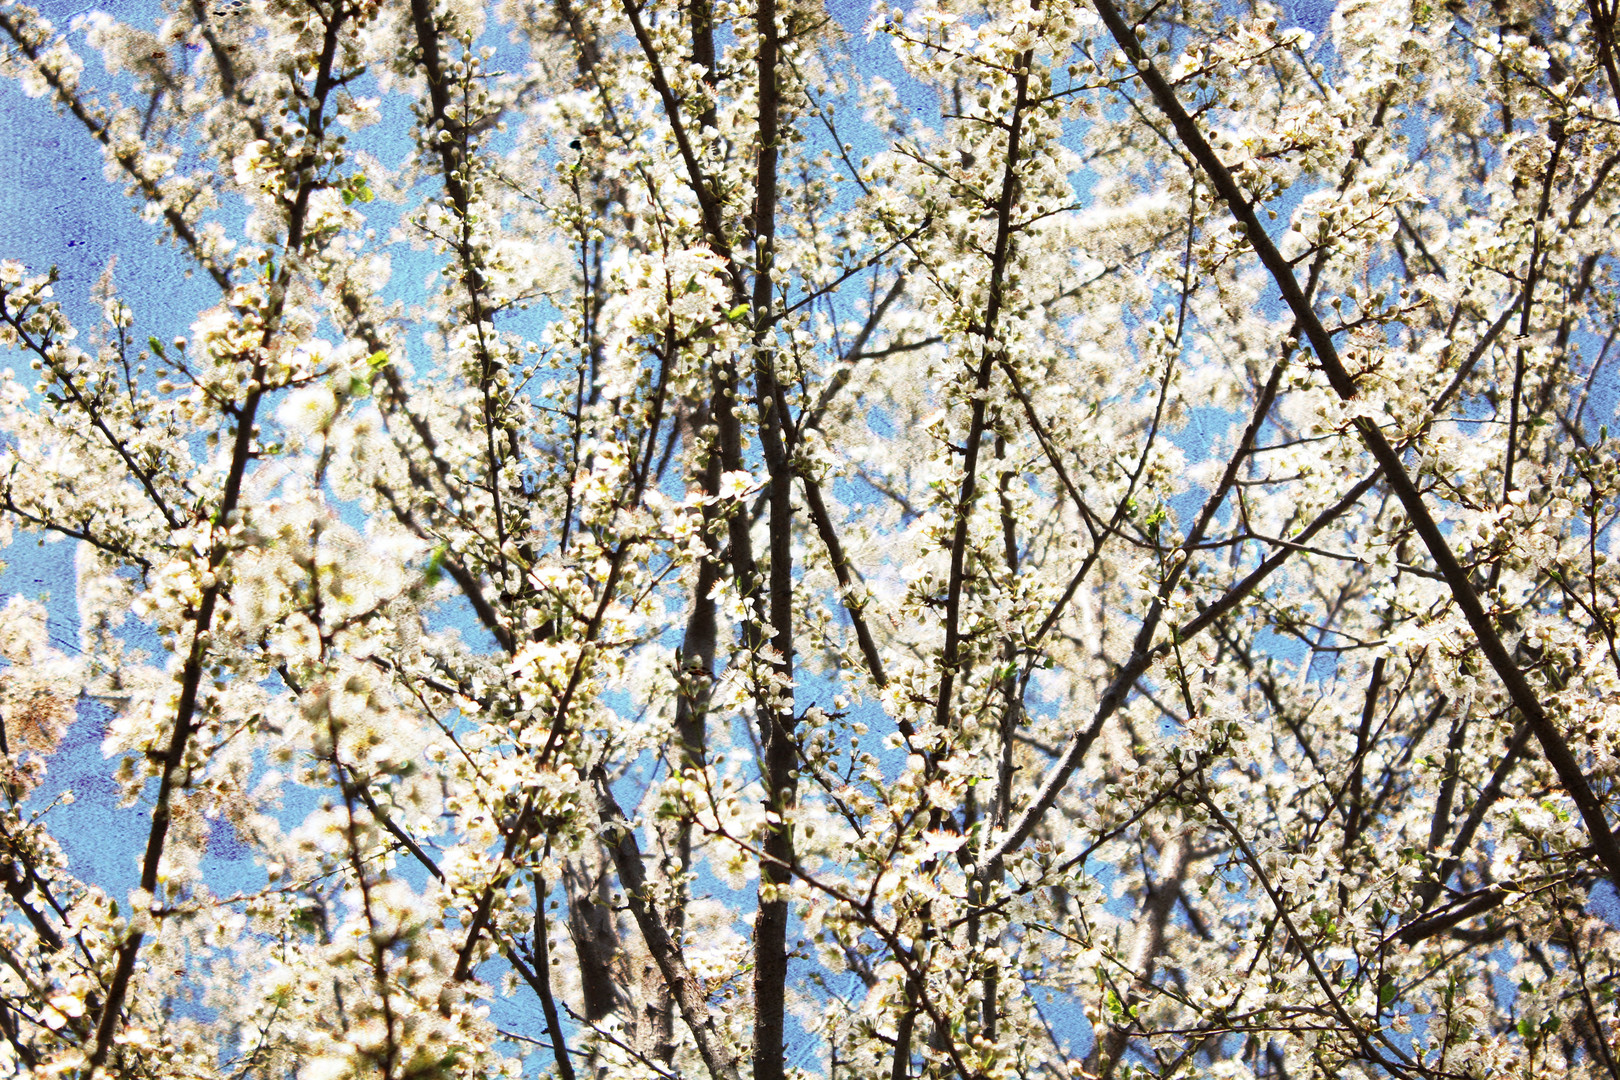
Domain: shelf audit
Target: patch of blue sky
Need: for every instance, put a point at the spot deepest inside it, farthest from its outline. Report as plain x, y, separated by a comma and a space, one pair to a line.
1602, 900
94, 832
453, 611
61, 211
1064, 1017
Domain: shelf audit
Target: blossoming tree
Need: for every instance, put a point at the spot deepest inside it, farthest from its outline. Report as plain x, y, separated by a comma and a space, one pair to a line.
1109, 576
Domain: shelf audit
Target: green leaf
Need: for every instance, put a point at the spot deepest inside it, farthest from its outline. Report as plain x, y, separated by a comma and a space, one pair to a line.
1386, 994
435, 565
377, 360
156, 346
737, 312
1526, 1028
356, 189
306, 919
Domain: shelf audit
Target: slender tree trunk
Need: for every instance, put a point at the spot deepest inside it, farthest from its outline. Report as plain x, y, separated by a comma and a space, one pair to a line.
1157, 904
596, 941
696, 674
776, 703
